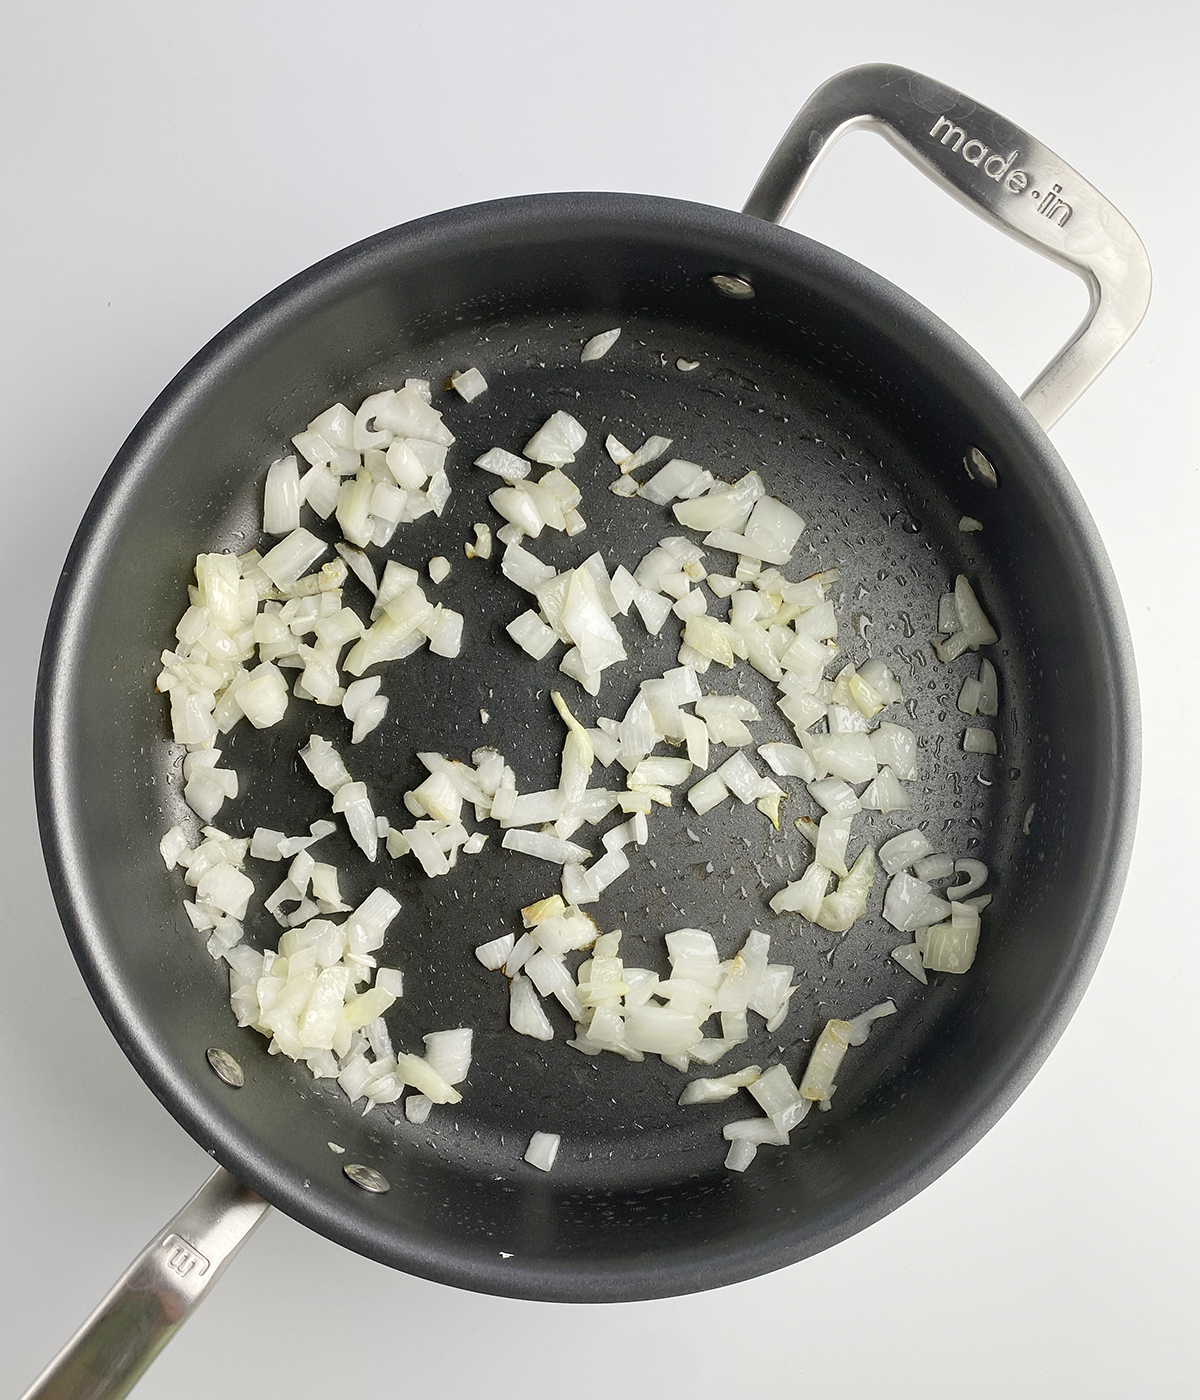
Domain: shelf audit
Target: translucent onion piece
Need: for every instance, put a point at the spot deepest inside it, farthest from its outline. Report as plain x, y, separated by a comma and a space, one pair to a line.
542, 1150
599, 345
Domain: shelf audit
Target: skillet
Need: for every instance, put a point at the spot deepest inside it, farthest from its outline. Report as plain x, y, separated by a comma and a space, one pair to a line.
864, 412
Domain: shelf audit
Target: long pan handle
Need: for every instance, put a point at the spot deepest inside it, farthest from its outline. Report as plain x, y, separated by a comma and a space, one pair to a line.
1003, 174
154, 1297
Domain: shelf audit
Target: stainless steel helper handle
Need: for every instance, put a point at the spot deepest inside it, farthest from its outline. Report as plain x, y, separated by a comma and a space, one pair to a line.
155, 1296
1003, 174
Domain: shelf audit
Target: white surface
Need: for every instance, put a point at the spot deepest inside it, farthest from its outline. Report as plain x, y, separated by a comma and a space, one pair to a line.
163, 166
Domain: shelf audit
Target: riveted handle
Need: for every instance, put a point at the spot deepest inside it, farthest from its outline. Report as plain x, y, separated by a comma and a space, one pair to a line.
1003, 174
154, 1297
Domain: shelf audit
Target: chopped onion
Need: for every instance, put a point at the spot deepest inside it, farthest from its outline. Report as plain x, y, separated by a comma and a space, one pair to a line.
526, 1014
817, 1082
909, 958
718, 1090
779, 1099
979, 741
292, 557
542, 1150
934, 867
469, 383
708, 793
557, 441
503, 464
973, 631
976, 873
416, 1107
448, 1052
678, 480
599, 345
281, 502
650, 451
951, 947
904, 850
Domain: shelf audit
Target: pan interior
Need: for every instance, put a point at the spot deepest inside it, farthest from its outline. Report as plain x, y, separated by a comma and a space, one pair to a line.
844, 429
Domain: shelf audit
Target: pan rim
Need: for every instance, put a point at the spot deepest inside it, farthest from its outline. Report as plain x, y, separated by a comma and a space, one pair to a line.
927, 338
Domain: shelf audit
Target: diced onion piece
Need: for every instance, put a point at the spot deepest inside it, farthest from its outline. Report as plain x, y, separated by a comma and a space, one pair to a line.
817, 1082
909, 958
754, 1130
616, 450
886, 793
989, 695
803, 896
775, 525
779, 1099
974, 629
519, 508
526, 1014
882, 681
557, 441
708, 793
951, 947
352, 801
524, 569
416, 1107
424, 1078
447, 635
503, 464
976, 873
532, 635
979, 741
903, 851
281, 501
741, 1151
848, 903
291, 557
173, 846
788, 760
837, 797
895, 747
661, 1030
678, 480
906, 902
548, 848
542, 1150
599, 345
968, 696
650, 451
722, 510
934, 867
860, 1025
469, 383
718, 1090
448, 1052
263, 697
496, 954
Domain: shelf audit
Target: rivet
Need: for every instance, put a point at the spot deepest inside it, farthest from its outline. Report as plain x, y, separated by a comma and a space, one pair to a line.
979, 468
737, 287
225, 1067
366, 1177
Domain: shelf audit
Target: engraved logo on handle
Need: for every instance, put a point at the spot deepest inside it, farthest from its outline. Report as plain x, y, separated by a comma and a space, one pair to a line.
1001, 168
183, 1258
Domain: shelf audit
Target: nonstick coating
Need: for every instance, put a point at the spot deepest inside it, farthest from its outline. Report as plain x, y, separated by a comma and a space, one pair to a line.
857, 406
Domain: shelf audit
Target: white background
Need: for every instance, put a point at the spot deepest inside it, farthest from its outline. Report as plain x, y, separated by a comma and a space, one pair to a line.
164, 165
